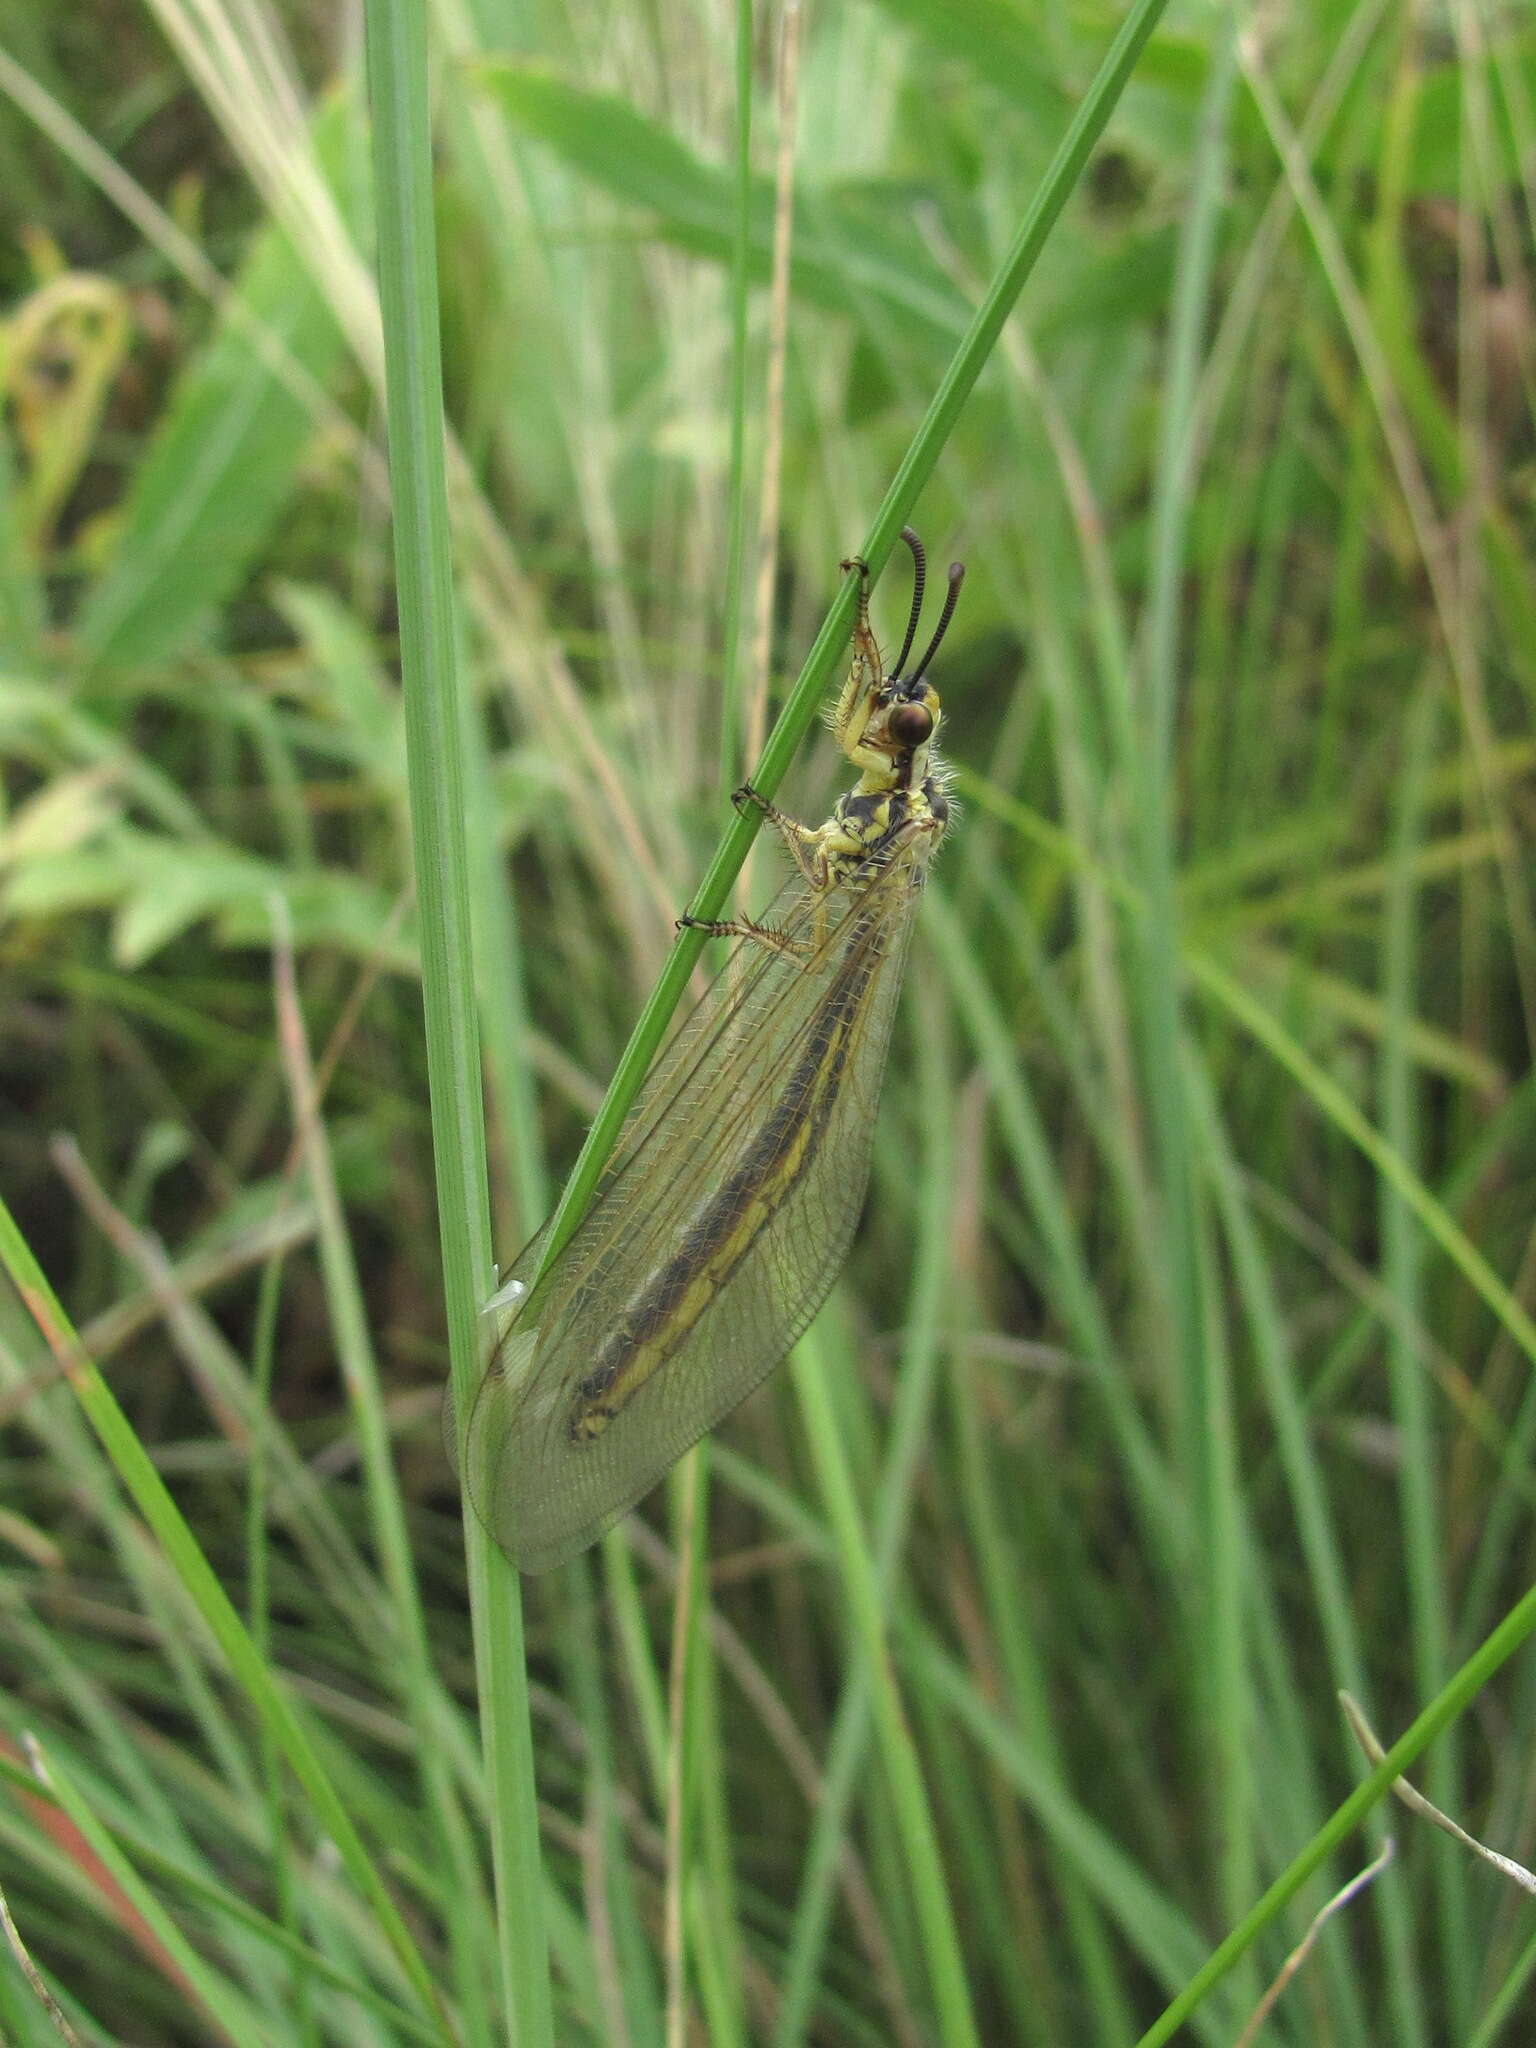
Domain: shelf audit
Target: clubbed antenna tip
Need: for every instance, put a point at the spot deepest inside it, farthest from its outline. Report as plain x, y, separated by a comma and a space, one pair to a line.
951, 598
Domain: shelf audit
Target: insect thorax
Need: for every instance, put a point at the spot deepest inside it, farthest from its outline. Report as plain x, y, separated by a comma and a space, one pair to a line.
866, 820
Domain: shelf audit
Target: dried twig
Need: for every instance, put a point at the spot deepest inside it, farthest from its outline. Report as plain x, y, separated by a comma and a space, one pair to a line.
1299, 1953
1415, 1801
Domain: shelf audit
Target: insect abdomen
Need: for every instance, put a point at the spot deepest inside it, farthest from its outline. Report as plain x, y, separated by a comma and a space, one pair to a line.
726, 1228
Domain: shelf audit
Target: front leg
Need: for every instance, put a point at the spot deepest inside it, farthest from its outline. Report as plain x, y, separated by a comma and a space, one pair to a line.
865, 675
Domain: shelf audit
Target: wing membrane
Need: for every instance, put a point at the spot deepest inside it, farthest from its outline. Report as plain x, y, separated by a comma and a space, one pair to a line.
712, 1238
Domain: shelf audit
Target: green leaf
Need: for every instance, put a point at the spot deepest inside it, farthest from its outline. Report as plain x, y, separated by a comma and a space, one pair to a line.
227, 456
159, 887
1439, 135
346, 684
1002, 45
852, 250
22, 610
845, 253
64, 813
174, 887
58, 884
328, 908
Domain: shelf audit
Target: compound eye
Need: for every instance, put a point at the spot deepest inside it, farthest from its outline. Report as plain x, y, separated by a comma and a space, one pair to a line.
911, 724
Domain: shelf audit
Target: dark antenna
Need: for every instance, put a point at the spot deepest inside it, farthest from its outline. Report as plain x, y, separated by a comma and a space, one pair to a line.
919, 578
956, 578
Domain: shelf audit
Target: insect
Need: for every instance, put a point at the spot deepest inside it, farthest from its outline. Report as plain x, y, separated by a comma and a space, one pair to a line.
732, 1195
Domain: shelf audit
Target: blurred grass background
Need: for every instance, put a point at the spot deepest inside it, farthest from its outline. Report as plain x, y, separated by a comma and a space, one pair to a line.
1180, 1364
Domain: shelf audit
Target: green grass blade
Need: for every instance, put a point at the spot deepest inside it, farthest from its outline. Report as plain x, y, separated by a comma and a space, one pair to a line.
942, 1947
153, 1499
1435, 1717
397, 64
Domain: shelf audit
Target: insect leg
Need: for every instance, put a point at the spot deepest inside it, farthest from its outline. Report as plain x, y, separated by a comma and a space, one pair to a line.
803, 843
745, 928
865, 674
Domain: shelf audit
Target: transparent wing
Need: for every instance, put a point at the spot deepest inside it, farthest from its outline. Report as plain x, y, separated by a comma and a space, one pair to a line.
714, 1235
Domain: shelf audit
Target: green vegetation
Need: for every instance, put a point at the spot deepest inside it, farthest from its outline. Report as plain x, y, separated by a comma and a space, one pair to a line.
980, 1677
